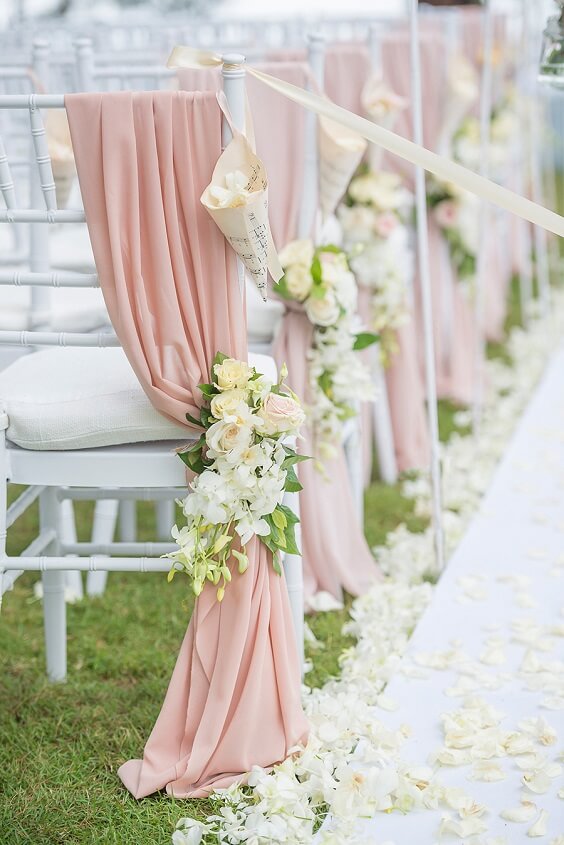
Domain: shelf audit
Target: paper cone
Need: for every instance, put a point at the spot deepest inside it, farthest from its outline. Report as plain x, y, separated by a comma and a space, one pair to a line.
245, 224
340, 152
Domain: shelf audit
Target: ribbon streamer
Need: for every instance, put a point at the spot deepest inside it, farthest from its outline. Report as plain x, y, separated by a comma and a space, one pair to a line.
442, 167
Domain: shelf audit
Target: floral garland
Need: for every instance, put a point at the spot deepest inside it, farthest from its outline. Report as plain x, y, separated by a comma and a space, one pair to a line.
243, 468
327, 784
377, 240
320, 279
457, 212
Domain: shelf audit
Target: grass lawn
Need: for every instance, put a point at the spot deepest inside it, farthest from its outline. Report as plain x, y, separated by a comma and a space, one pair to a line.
60, 745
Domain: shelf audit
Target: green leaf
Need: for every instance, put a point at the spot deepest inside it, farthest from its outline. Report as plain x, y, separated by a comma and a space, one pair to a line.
276, 563
293, 458
291, 545
171, 575
279, 519
292, 483
291, 517
326, 384
208, 390
365, 339
219, 359
336, 250
281, 288
194, 421
193, 461
205, 417
316, 272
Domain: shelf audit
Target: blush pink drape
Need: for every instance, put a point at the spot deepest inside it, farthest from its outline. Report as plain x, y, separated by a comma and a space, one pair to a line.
347, 69
170, 285
453, 324
335, 553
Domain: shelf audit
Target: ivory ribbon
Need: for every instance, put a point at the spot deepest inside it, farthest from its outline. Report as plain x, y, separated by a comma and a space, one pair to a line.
442, 167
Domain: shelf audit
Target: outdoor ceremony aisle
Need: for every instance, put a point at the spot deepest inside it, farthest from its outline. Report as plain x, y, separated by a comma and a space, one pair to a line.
481, 687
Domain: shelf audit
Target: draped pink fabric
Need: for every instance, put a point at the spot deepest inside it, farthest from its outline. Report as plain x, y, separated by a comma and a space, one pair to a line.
347, 69
170, 286
454, 329
335, 553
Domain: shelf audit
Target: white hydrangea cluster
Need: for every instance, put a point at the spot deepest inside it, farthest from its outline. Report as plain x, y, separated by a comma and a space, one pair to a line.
377, 241
338, 378
352, 765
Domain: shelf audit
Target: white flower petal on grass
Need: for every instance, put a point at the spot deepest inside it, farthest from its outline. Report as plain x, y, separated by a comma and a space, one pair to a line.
524, 813
539, 827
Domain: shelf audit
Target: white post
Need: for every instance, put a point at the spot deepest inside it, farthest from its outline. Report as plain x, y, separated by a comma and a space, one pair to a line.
534, 114
54, 608
3, 495
84, 60
484, 211
233, 74
309, 211
383, 429
103, 530
38, 232
523, 171
425, 283
293, 573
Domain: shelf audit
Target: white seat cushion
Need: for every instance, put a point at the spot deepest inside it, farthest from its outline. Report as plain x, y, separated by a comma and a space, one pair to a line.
69, 309
83, 398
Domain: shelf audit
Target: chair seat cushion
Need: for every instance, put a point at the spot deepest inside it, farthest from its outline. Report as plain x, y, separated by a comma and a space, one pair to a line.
82, 398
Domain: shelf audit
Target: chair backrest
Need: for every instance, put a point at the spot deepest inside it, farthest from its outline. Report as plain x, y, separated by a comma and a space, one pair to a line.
43, 211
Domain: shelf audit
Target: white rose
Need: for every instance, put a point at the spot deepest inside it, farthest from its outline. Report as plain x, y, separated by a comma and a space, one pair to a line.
232, 373
227, 404
323, 312
281, 414
297, 252
299, 281
223, 437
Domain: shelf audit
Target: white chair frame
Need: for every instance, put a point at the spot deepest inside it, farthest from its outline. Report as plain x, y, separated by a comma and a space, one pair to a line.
140, 471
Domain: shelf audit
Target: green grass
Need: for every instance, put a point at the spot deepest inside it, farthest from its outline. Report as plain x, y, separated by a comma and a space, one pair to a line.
61, 745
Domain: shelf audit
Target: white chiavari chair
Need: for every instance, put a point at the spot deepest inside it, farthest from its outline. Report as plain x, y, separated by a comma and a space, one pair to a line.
33, 434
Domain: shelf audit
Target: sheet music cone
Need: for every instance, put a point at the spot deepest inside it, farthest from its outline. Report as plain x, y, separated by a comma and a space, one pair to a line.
340, 152
237, 200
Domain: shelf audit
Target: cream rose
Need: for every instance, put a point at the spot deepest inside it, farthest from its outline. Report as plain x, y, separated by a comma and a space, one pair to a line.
281, 414
323, 312
232, 374
225, 437
297, 252
227, 404
299, 281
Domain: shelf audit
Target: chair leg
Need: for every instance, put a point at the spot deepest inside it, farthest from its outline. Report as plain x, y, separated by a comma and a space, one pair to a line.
294, 574
165, 519
383, 431
3, 498
54, 607
353, 454
73, 578
103, 531
128, 520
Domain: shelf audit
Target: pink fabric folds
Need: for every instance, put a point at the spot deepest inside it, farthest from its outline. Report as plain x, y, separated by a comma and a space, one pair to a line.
347, 69
453, 324
169, 281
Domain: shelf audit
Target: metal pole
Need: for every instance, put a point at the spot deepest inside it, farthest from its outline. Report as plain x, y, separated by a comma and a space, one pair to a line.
484, 211
425, 285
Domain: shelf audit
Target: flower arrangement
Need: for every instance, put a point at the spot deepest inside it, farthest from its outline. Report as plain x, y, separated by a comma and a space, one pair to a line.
456, 212
376, 237
243, 467
320, 279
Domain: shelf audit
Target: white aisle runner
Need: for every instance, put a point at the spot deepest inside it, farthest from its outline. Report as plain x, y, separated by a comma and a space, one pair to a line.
497, 620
